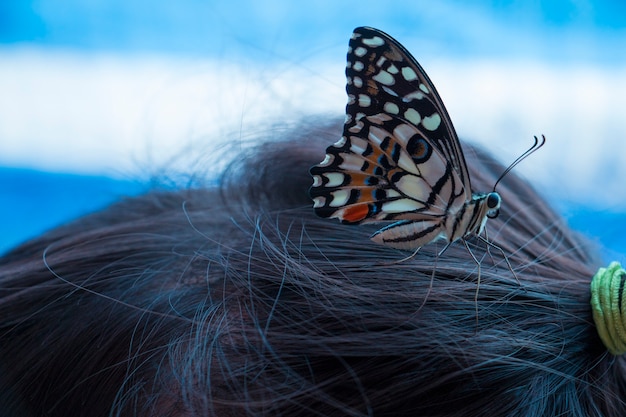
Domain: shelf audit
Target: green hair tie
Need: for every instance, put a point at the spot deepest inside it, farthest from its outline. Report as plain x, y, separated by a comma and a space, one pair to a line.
608, 302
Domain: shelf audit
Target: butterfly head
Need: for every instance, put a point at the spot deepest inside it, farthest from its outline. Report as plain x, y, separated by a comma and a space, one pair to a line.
493, 201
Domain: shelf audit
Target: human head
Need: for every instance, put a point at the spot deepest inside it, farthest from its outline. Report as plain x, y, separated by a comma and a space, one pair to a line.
237, 300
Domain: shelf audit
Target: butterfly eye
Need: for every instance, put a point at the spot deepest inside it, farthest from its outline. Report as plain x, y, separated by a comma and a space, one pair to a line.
493, 205
493, 201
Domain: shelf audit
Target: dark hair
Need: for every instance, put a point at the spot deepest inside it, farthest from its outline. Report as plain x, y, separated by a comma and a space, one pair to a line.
237, 300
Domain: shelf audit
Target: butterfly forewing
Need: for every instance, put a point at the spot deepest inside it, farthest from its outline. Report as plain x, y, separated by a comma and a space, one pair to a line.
399, 157
382, 71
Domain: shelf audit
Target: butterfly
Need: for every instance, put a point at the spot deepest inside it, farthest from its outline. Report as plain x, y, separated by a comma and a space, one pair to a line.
399, 158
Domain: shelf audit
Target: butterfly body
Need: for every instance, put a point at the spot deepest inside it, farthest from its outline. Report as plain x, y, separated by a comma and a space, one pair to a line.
411, 235
399, 158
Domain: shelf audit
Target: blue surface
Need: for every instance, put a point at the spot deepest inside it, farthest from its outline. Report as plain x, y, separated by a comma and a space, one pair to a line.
32, 202
551, 29
607, 229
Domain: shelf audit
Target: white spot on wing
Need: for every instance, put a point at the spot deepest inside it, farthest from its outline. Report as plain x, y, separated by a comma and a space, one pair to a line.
389, 91
358, 66
340, 143
374, 41
340, 198
384, 77
358, 145
392, 108
415, 95
364, 100
409, 74
413, 116
351, 162
328, 159
319, 201
431, 122
317, 181
358, 82
360, 51
402, 206
335, 179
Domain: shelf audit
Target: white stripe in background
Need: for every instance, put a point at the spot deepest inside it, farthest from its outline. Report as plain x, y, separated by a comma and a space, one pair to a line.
112, 114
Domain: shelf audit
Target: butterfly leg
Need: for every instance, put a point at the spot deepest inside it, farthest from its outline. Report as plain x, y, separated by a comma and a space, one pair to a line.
506, 259
444, 249
477, 280
493, 261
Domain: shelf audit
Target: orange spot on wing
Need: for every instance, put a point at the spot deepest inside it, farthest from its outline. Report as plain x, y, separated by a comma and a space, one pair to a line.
356, 213
358, 179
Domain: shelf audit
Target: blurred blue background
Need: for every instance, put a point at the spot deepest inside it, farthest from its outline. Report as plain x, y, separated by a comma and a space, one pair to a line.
99, 96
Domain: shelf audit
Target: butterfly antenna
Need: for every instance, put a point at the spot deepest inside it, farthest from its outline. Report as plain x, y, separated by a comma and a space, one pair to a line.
538, 144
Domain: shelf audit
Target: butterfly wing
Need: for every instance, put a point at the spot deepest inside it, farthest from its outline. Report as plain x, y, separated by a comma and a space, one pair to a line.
383, 169
399, 157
